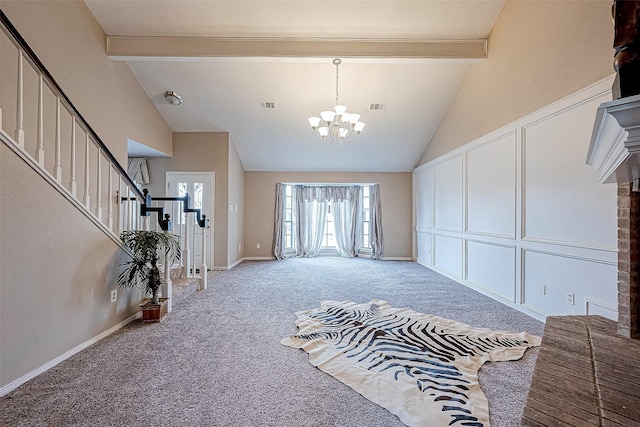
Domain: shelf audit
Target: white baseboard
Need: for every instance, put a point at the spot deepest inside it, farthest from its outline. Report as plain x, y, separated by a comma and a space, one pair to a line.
17, 383
397, 258
259, 258
230, 266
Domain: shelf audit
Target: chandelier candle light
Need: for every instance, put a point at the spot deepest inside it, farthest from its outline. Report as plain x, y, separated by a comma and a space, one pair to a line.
336, 125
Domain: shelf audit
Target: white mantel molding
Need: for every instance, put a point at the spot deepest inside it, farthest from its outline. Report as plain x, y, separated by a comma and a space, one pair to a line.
615, 142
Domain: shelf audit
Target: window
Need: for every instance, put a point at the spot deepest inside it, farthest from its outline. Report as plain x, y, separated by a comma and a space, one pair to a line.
365, 218
195, 200
324, 220
329, 238
288, 218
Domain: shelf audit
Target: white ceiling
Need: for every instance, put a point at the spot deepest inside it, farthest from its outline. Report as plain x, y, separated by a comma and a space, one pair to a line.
224, 93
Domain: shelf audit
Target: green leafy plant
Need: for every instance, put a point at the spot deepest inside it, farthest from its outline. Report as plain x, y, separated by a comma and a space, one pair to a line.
142, 269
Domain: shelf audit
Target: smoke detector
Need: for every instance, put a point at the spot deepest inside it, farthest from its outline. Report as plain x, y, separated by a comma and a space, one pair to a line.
172, 97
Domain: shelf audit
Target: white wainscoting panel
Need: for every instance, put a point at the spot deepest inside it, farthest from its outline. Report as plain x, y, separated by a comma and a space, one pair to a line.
448, 194
519, 216
600, 309
425, 248
448, 255
550, 278
564, 200
492, 267
491, 187
424, 192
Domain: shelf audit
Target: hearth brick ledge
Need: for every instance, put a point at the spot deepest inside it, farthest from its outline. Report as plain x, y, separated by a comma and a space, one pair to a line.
585, 375
628, 272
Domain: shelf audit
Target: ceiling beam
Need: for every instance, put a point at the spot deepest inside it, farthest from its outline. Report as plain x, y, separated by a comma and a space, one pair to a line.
128, 47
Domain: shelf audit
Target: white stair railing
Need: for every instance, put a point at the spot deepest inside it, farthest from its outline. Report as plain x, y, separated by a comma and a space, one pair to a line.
45, 129
190, 225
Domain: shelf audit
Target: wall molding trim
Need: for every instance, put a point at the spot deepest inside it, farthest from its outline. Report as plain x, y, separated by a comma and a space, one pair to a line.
18, 382
556, 199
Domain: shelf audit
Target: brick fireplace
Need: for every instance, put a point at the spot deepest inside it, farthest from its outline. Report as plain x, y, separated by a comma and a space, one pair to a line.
628, 253
615, 154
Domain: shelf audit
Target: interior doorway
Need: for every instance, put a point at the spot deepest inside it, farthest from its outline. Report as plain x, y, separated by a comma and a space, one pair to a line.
201, 189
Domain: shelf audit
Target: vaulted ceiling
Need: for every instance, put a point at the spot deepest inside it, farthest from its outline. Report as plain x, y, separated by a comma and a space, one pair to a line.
226, 59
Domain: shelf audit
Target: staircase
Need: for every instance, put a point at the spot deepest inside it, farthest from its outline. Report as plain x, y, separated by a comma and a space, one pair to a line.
182, 286
64, 149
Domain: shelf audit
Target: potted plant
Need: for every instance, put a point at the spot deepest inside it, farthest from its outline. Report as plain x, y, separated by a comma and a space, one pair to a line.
142, 269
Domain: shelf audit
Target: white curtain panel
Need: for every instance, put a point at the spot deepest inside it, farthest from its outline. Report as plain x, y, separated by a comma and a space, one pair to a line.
312, 226
343, 221
375, 225
347, 219
278, 231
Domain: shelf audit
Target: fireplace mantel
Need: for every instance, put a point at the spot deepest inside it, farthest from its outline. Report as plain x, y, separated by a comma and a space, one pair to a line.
615, 142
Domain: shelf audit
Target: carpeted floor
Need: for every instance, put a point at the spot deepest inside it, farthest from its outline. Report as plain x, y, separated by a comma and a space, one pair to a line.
217, 361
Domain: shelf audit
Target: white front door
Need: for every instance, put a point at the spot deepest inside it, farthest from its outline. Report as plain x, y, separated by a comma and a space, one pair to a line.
200, 187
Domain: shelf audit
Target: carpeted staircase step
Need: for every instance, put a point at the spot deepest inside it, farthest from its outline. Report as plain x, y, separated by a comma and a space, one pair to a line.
184, 287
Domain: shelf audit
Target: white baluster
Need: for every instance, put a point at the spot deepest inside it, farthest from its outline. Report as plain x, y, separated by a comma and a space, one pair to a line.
203, 267
72, 178
127, 211
19, 134
110, 202
58, 166
87, 197
40, 126
187, 246
99, 190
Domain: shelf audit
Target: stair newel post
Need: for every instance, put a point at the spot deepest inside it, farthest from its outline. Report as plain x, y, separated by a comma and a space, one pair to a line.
87, 197
144, 213
19, 134
99, 188
72, 173
58, 166
203, 267
40, 125
187, 246
167, 285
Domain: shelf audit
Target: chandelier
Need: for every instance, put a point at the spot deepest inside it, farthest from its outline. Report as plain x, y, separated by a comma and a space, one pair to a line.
338, 125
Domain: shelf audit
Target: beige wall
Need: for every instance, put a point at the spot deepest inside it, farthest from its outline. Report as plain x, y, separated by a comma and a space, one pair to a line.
236, 198
52, 301
200, 152
68, 40
539, 52
395, 191
57, 271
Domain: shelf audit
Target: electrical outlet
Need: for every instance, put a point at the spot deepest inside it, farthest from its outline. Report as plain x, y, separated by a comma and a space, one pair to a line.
114, 295
571, 298
257, 245
239, 247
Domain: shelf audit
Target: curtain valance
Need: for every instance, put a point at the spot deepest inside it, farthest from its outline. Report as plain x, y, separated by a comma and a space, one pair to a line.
329, 193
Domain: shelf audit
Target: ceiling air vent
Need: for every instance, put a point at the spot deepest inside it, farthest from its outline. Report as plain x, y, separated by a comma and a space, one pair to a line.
376, 107
267, 105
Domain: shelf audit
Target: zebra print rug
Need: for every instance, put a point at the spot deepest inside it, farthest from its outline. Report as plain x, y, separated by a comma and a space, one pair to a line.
422, 368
